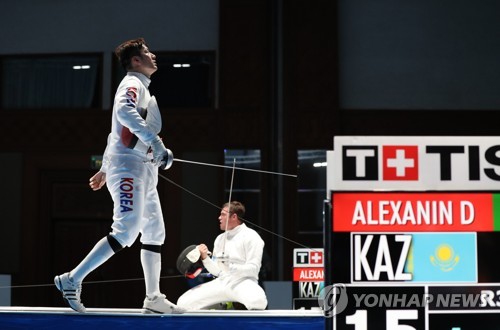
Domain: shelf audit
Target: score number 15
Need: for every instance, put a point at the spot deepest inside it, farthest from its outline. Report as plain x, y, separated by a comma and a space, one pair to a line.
393, 316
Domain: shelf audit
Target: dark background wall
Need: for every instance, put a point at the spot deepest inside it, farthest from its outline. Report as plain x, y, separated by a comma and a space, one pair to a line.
279, 89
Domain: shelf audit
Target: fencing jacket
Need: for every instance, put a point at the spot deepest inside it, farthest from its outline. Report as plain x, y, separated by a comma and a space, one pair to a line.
241, 257
136, 119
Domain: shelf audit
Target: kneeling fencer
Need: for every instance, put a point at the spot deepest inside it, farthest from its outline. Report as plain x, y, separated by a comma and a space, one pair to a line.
235, 262
133, 154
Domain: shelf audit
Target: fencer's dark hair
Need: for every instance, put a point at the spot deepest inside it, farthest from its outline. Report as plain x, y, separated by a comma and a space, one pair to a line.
130, 48
237, 208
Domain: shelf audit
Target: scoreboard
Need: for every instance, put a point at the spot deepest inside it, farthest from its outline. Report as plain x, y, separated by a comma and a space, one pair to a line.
456, 307
412, 231
308, 277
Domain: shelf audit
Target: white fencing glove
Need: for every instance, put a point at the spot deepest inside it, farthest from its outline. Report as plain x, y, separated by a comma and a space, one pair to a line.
162, 156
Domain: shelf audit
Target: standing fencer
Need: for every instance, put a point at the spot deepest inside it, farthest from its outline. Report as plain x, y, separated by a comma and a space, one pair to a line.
236, 262
133, 154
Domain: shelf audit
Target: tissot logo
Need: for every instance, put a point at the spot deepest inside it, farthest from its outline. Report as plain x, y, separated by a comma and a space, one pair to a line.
416, 163
401, 162
308, 257
398, 163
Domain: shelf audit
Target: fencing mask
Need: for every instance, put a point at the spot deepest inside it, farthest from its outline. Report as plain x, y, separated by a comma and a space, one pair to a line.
189, 262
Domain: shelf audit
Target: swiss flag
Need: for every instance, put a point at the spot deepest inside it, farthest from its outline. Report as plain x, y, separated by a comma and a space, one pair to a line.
400, 163
316, 257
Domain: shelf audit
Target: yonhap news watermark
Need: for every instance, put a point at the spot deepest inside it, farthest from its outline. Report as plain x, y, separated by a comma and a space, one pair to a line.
335, 299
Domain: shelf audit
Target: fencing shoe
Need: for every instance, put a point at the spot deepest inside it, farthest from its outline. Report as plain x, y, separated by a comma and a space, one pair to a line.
71, 291
161, 305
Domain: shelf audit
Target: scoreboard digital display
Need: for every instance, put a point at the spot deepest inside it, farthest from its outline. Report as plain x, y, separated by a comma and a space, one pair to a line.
412, 229
308, 277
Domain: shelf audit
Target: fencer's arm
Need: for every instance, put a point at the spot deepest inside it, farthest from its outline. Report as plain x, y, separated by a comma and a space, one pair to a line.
128, 116
208, 263
212, 267
254, 249
162, 156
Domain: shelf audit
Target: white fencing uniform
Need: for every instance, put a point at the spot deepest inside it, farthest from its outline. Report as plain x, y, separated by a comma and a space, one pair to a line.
237, 271
130, 176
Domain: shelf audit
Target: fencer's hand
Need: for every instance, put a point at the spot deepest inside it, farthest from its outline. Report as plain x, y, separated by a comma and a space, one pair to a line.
167, 160
162, 156
158, 149
97, 181
203, 251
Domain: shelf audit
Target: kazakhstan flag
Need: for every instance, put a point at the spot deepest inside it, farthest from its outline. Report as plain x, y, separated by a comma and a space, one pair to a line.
443, 257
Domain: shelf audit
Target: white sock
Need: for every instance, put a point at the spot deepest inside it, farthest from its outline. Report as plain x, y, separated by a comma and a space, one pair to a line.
151, 265
101, 252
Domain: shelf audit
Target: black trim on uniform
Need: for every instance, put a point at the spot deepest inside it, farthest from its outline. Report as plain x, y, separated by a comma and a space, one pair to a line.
152, 248
115, 245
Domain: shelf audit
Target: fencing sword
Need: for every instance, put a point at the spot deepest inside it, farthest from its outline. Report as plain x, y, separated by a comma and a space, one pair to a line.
228, 215
233, 167
219, 208
168, 160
